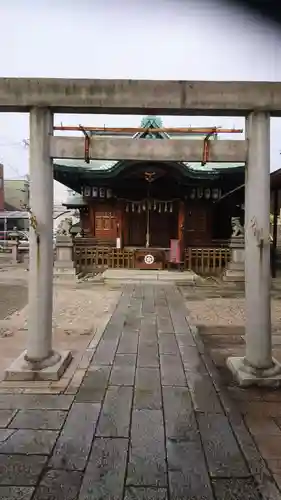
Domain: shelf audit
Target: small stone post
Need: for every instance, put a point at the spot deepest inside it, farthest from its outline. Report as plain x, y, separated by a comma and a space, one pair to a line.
15, 251
14, 244
64, 268
235, 269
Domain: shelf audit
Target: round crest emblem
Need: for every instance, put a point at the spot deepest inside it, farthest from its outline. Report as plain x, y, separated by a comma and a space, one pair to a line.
149, 259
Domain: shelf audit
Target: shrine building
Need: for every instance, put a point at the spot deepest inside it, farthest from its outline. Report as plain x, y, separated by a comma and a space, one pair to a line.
150, 215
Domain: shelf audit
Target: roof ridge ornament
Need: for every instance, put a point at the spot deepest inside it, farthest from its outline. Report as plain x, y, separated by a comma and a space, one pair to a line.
151, 121
149, 176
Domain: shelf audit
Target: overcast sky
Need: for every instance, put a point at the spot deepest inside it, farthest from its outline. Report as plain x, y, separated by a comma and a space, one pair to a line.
159, 39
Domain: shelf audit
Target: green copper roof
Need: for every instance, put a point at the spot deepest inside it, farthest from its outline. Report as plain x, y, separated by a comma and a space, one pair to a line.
94, 165
212, 166
151, 122
75, 200
97, 166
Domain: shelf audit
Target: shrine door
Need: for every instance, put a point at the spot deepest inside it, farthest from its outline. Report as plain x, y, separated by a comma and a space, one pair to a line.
105, 226
136, 229
196, 227
163, 228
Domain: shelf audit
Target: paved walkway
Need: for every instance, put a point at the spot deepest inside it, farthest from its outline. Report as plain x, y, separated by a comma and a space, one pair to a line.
149, 420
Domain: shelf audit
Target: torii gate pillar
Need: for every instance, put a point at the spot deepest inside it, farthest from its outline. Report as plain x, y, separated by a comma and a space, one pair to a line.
40, 361
257, 367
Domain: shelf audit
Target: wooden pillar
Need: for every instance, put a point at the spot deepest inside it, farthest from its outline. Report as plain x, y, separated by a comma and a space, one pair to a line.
85, 221
181, 222
125, 226
274, 243
92, 224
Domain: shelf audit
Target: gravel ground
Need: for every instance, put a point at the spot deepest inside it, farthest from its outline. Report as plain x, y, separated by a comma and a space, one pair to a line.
220, 311
217, 311
74, 310
78, 315
12, 298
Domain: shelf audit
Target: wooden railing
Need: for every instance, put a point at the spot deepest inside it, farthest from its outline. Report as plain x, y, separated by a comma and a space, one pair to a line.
208, 261
204, 260
100, 258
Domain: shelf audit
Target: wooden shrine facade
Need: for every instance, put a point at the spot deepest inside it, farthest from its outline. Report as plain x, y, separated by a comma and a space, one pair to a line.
151, 222
131, 219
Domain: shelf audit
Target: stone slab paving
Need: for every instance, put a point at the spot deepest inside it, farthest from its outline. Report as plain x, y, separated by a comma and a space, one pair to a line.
218, 313
144, 418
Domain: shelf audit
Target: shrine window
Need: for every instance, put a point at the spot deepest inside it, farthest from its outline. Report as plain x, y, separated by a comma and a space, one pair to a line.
105, 221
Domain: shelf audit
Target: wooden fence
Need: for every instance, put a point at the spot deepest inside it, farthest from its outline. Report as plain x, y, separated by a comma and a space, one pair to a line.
101, 258
205, 260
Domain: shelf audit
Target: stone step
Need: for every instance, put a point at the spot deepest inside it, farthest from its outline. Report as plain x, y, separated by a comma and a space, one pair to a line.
138, 276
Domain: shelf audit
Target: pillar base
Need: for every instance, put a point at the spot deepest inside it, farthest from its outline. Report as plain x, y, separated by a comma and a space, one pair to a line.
51, 368
247, 376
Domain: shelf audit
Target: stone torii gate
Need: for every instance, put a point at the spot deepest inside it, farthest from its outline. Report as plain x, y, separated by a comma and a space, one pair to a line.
43, 97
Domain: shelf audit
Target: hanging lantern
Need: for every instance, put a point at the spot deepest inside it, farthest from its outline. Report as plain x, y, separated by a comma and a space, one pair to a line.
133, 207
87, 191
171, 207
109, 193
207, 193
127, 207
154, 206
159, 210
200, 193
144, 207
215, 194
95, 192
193, 194
166, 207
102, 193
139, 209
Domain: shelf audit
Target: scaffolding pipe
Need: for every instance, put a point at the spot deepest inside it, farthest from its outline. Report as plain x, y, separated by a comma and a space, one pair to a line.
134, 130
